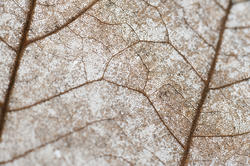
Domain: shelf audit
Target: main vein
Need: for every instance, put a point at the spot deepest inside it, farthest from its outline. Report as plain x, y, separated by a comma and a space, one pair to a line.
206, 88
21, 48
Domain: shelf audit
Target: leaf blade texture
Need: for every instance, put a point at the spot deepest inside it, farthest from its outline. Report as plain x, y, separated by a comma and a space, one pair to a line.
126, 82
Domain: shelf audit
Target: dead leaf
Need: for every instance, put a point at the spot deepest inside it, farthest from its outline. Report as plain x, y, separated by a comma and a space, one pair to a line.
126, 82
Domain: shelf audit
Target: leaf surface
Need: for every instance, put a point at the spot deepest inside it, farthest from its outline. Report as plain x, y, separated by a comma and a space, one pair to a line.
125, 82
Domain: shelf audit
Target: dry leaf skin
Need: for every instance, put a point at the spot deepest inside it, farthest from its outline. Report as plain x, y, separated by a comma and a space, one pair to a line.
125, 82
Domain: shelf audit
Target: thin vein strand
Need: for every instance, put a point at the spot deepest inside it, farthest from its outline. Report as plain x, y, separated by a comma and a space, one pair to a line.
231, 84
218, 4
6, 43
198, 34
239, 27
54, 96
229, 135
186, 60
240, 1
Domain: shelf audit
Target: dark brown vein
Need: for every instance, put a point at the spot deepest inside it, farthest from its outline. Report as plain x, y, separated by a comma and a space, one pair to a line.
53, 141
230, 84
65, 24
150, 41
240, 1
239, 27
206, 88
20, 51
154, 108
52, 97
229, 135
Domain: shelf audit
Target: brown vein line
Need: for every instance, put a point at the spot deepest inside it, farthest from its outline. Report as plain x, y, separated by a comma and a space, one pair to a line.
102, 22
150, 41
53, 141
64, 25
151, 103
206, 88
239, 27
52, 97
148, 71
12, 48
162, 120
230, 84
229, 135
241, 1
20, 51
185, 59
239, 154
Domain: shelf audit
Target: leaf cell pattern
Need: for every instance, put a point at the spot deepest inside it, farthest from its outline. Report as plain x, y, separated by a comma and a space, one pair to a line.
124, 82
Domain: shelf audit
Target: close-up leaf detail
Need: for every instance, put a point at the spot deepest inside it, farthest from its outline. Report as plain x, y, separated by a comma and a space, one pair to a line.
125, 82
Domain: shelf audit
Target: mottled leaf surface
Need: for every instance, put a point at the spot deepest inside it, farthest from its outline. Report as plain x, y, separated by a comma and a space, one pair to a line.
124, 82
